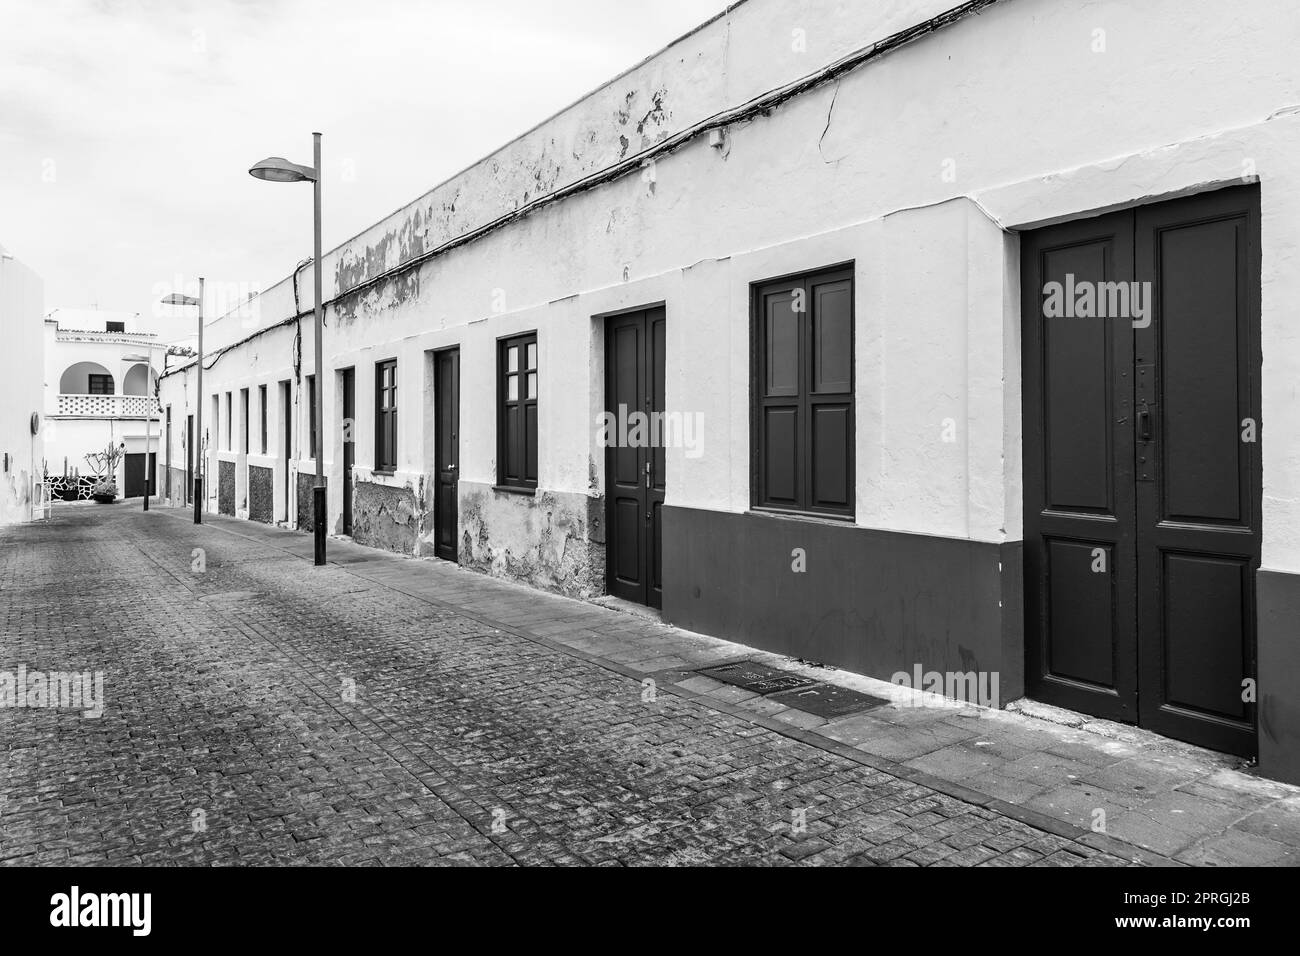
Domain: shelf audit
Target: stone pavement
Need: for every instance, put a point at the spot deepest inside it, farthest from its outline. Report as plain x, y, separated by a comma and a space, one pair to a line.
393, 711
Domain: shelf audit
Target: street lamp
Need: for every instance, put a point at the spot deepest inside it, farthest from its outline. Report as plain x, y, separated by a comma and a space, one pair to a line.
196, 448
277, 169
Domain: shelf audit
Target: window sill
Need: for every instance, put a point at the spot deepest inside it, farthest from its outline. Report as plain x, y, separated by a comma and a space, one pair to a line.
838, 521
381, 473
515, 490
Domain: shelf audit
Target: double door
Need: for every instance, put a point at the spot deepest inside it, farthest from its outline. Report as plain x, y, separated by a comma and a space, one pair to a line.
1142, 465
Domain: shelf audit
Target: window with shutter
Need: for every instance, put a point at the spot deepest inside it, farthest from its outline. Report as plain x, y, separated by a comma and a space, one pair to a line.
517, 411
386, 416
802, 388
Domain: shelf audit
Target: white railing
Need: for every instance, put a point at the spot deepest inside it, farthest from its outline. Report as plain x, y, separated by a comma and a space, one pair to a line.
108, 406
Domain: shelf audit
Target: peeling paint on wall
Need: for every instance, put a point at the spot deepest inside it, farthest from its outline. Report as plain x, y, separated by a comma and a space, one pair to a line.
386, 517
176, 493
552, 541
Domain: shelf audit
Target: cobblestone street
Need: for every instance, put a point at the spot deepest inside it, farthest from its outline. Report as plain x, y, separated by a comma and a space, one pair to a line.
262, 711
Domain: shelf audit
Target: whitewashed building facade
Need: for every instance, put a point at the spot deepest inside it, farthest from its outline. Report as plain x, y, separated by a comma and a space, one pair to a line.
101, 373
815, 241
21, 306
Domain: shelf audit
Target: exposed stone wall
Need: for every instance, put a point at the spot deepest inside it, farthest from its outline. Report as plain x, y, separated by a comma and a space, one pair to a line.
261, 494
386, 517
226, 487
554, 541
306, 482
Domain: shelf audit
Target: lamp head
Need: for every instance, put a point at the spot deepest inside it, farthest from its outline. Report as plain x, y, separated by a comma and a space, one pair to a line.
277, 169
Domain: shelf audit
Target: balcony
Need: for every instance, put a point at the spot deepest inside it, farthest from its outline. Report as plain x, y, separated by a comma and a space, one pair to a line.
108, 406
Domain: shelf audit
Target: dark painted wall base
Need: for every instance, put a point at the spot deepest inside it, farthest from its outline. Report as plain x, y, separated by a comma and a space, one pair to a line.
1278, 598
874, 602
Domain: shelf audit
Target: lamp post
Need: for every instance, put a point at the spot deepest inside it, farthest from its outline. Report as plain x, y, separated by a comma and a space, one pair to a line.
277, 169
196, 446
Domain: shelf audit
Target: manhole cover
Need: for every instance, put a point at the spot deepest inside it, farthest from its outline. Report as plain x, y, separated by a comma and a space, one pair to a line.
827, 700
756, 678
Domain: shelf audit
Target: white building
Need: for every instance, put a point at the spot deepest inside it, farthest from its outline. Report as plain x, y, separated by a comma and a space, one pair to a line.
821, 238
21, 305
101, 374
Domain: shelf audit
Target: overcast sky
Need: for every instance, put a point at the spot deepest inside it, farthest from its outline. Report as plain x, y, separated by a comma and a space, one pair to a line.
127, 128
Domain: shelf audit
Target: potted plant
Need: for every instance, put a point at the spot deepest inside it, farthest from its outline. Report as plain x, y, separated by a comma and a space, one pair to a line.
105, 491
105, 465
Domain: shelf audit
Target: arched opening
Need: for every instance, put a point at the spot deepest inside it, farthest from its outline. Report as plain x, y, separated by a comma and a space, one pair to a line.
86, 378
139, 380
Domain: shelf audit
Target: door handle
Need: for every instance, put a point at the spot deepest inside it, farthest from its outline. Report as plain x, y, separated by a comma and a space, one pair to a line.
1144, 424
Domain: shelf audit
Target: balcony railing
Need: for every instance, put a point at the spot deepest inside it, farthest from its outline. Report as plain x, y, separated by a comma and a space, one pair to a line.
108, 406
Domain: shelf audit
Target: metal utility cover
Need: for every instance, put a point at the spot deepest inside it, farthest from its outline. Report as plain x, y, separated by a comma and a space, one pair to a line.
827, 700
757, 678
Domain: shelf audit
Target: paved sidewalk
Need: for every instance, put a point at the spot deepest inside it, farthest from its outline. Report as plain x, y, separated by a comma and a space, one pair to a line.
389, 710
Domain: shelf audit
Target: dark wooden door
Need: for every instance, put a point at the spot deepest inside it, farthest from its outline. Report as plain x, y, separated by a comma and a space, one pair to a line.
134, 473
349, 442
286, 440
1080, 564
191, 444
635, 469
1199, 482
446, 374
167, 458
1141, 499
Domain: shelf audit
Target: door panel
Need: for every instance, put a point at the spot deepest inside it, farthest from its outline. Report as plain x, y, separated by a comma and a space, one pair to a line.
1081, 605
1079, 382
634, 456
625, 390
1198, 518
446, 376
830, 439
1081, 573
656, 486
1204, 596
167, 458
1142, 499
349, 442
